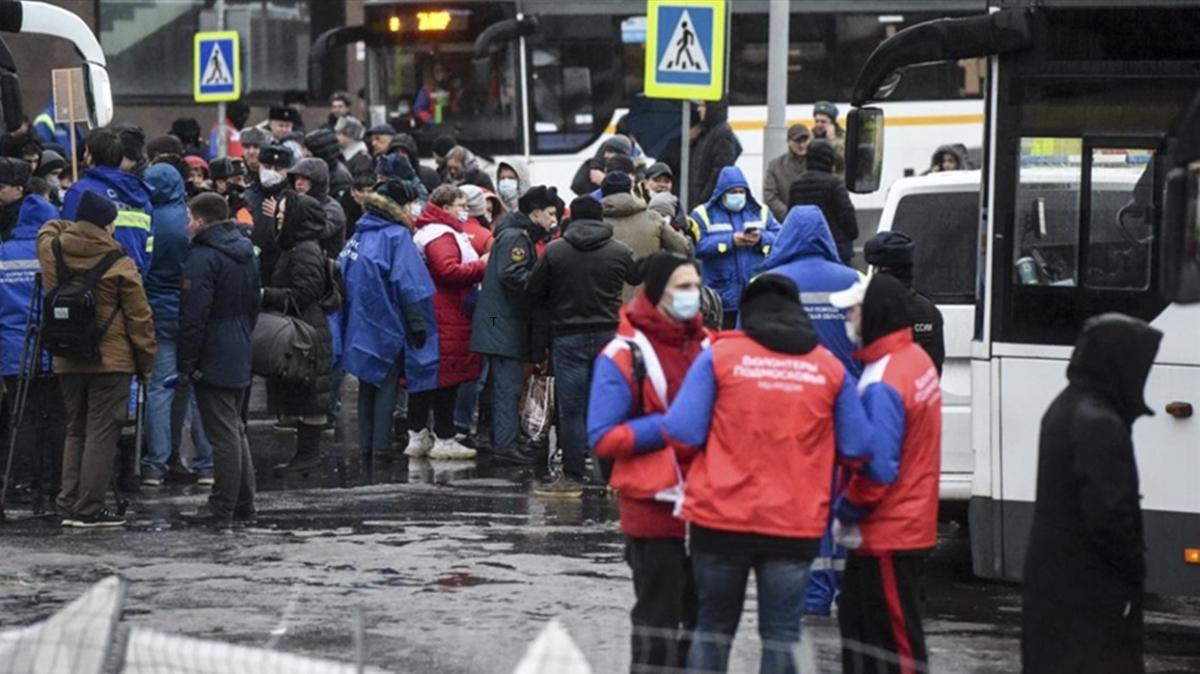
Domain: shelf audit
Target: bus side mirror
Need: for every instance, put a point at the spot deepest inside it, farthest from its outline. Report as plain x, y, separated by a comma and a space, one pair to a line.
864, 150
1179, 244
10, 101
99, 94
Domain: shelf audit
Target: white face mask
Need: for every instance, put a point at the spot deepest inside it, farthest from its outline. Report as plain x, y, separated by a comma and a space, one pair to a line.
268, 178
415, 208
463, 216
685, 304
853, 334
508, 189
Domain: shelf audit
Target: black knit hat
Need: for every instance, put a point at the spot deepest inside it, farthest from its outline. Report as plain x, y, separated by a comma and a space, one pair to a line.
323, 143
14, 171
538, 198
95, 209
400, 191
443, 144
656, 269
619, 162
616, 182
892, 250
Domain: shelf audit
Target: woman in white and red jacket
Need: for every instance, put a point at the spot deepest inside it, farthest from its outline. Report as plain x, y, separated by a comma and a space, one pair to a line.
456, 270
661, 333
771, 411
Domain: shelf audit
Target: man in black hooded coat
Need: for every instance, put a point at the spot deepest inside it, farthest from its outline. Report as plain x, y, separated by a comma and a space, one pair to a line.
1085, 568
715, 148
820, 187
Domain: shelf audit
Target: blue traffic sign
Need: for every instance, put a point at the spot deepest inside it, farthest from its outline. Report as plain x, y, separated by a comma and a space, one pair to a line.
217, 68
685, 49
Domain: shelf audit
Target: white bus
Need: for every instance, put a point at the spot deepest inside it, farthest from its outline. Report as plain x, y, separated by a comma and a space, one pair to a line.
1100, 89
547, 80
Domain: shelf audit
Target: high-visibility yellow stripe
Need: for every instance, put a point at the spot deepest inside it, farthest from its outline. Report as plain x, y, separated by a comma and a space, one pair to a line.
891, 120
133, 219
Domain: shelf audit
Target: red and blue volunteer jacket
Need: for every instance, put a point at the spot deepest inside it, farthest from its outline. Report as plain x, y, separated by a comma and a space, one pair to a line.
624, 421
770, 427
894, 498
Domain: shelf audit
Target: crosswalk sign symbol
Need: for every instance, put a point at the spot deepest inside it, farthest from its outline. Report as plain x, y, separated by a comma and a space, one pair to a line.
217, 67
685, 49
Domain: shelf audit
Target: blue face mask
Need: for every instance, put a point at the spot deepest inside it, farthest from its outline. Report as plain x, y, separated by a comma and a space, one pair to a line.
508, 189
685, 304
735, 202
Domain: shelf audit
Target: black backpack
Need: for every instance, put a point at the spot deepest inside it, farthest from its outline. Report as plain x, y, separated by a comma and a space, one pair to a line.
69, 323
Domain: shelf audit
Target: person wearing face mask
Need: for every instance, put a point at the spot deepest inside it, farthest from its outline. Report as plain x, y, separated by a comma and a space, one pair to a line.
229, 181
771, 412
579, 280
660, 331
733, 235
508, 327
512, 180
456, 270
262, 198
477, 222
887, 513
51, 168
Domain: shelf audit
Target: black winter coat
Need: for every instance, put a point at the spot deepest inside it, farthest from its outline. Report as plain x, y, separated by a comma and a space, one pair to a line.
716, 148
300, 286
1085, 567
507, 322
263, 233
580, 278
218, 308
818, 186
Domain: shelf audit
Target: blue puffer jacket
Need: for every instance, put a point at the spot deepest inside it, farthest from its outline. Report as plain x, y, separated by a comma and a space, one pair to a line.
725, 267
383, 273
805, 252
218, 308
18, 266
132, 198
168, 227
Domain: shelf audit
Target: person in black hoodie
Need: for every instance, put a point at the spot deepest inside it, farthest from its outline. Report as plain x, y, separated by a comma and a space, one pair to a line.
218, 310
300, 286
713, 149
818, 186
311, 176
579, 279
1085, 570
891, 253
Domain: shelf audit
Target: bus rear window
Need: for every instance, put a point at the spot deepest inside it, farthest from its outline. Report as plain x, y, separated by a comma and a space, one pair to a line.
944, 227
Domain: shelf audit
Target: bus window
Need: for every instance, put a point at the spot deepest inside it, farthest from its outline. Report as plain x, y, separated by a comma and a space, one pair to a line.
431, 85
1121, 231
944, 227
1046, 248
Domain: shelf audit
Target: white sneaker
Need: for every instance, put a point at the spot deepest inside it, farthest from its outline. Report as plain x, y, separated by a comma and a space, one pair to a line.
419, 444
451, 450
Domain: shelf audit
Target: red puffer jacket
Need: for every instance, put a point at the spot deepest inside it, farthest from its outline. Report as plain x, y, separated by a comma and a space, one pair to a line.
456, 271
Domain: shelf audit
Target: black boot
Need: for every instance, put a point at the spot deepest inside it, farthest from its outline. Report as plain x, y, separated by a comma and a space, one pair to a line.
308, 450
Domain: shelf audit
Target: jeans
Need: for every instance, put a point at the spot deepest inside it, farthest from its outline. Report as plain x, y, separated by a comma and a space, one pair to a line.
375, 406
158, 417
721, 588
506, 378
573, 355
233, 488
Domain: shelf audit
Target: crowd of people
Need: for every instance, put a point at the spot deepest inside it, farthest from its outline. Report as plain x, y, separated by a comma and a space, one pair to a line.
753, 400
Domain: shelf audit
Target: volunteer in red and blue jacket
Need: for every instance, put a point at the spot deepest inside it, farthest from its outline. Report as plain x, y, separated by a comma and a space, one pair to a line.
771, 411
805, 252
733, 234
888, 512
43, 429
113, 155
635, 378
387, 314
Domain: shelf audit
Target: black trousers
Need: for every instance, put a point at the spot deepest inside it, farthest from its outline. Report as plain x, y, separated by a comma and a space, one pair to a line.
441, 403
664, 614
233, 468
40, 436
879, 612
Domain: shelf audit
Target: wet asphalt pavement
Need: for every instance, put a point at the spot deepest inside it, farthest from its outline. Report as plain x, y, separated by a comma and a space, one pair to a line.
455, 567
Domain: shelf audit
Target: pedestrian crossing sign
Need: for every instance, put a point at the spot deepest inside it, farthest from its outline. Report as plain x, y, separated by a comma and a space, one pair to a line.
218, 71
685, 49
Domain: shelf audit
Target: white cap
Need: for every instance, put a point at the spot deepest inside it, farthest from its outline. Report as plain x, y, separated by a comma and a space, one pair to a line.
852, 296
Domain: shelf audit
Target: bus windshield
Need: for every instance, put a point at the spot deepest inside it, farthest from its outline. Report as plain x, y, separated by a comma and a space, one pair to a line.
423, 79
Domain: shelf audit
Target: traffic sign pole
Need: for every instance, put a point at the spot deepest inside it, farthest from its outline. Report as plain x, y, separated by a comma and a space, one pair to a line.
775, 135
222, 140
685, 152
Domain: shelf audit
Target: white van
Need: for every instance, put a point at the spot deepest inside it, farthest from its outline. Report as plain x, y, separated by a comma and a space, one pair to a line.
940, 211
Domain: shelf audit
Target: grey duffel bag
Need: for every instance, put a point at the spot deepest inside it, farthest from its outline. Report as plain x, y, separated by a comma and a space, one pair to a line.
285, 348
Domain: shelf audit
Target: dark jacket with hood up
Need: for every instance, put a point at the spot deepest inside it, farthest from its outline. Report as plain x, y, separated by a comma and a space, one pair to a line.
299, 286
716, 148
333, 237
219, 308
580, 278
428, 176
819, 187
507, 322
1085, 567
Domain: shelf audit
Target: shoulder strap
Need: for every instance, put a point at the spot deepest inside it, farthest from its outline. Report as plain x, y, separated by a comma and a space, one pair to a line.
60, 265
639, 373
92, 276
